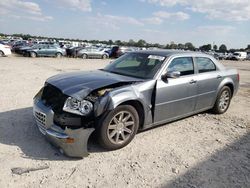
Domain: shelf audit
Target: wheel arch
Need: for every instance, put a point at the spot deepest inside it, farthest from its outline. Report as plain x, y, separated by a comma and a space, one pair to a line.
217, 108
126, 96
231, 86
59, 53
226, 82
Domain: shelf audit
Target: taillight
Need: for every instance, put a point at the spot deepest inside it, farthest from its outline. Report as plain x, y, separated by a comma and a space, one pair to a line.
6, 46
238, 77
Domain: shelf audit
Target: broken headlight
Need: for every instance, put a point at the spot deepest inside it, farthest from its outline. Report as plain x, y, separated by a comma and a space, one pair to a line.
75, 106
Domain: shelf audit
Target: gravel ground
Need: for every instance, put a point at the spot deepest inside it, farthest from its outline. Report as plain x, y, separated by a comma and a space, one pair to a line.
204, 150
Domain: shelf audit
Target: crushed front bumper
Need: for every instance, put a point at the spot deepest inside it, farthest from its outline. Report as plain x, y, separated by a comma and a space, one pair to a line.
72, 142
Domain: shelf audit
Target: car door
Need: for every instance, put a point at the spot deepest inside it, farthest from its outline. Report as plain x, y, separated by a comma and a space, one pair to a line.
176, 97
51, 50
91, 53
98, 53
44, 50
95, 53
40, 50
208, 80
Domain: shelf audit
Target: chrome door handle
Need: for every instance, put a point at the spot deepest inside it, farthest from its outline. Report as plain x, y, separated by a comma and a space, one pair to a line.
193, 81
219, 76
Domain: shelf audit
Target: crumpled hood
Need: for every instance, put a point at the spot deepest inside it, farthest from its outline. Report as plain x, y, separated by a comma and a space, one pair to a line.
80, 84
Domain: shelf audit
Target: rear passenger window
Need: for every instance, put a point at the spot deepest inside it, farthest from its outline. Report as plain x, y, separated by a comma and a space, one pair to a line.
205, 64
182, 64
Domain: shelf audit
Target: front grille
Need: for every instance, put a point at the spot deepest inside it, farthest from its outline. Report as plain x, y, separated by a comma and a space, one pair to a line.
41, 118
53, 97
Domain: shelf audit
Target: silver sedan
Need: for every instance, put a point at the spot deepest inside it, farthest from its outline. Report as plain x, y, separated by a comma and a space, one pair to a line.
137, 91
93, 53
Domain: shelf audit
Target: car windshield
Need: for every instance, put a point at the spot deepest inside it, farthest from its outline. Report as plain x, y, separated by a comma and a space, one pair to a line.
139, 65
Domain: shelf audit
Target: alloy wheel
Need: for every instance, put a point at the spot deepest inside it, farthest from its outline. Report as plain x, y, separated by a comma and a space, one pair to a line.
224, 100
121, 127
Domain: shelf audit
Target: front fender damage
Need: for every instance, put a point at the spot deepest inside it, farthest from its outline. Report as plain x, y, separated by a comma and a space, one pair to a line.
141, 93
104, 100
74, 141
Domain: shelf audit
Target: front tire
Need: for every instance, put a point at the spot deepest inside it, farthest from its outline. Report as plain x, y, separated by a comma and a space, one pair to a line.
223, 100
58, 55
118, 128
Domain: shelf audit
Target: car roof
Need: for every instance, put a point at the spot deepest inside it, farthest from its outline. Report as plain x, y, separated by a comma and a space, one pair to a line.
168, 53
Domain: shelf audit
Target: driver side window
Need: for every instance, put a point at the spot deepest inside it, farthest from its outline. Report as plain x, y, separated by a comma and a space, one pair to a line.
184, 65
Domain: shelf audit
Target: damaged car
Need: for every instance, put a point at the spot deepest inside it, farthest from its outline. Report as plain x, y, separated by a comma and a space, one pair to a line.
137, 91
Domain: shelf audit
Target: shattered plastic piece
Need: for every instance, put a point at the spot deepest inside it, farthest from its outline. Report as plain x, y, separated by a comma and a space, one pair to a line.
20, 170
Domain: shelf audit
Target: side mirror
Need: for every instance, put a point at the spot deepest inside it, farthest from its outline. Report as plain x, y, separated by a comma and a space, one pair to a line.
171, 74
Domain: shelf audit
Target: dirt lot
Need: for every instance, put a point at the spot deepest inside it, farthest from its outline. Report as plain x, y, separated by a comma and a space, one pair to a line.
204, 150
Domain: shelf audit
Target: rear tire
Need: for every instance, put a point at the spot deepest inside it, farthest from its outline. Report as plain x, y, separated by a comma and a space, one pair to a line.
118, 127
33, 54
223, 101
104, 56
84, 56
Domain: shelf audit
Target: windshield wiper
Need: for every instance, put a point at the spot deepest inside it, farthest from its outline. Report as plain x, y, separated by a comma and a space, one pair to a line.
115, 72
124, 74
120, 73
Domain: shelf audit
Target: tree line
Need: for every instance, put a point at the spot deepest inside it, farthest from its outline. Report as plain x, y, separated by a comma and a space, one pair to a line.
140, 43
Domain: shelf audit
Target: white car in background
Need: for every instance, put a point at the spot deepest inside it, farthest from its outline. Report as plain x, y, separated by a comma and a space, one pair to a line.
240, 56
4, 50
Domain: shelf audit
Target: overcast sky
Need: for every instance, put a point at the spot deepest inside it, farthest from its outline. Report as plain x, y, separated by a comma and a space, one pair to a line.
157, 21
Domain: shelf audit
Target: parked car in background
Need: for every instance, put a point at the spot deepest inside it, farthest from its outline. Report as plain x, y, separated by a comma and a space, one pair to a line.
4, 50
219, 56
73, 51
114, 52
23, 49
229, 56
117, 51
17, 46
45, 50
93, 53
239, 56
4, 41
125, 49
138, 91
